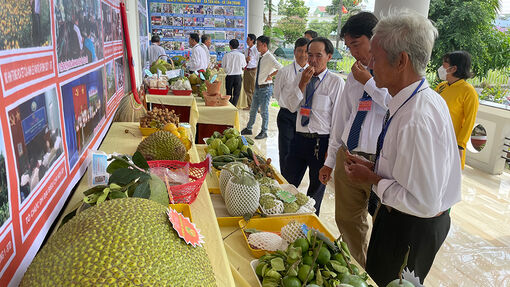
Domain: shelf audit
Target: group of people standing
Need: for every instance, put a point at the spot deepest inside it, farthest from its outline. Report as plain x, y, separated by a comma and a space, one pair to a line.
396, 145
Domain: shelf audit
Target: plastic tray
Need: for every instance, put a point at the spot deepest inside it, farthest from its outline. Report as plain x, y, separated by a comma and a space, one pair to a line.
182, 208
253, 265
158, 91
275, 224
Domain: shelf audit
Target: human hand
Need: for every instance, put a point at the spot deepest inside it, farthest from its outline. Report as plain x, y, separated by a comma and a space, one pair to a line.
269, 78
325, 174
359, 72
359, 173
306, 75
248, 59
356, 159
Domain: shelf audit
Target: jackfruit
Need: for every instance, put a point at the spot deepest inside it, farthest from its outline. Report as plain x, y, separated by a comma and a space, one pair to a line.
162, 145
121, 242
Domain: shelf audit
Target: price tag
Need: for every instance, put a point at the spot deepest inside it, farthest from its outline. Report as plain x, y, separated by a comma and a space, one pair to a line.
305, 111
365, 105
245, 142
185, 228
286, 196
147, 72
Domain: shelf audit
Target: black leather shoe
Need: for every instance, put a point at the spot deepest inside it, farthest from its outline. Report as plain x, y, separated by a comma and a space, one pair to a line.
246, 131
261, 135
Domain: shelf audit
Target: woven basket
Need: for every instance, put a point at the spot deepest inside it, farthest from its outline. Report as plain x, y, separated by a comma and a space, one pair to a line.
188, 192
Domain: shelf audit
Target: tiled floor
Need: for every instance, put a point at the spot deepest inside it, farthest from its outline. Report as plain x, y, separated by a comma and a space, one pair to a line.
477, 249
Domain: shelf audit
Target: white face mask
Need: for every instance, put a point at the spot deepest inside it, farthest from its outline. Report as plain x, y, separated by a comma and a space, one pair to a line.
441, 71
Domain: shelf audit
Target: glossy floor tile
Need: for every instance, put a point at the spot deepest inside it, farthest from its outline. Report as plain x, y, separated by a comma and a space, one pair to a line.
477, 249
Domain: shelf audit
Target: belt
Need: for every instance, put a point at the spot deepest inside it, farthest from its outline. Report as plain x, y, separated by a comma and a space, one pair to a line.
263, 86
390, 210
312, 135
369, 156
250, 69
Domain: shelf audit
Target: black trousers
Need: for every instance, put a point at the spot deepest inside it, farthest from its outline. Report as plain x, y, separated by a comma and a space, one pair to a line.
393, 232
302, 156
233, 86
286, 121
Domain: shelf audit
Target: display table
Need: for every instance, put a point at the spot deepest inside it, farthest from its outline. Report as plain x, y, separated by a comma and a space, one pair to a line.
238, 253
202, 209
212, 119
184, 106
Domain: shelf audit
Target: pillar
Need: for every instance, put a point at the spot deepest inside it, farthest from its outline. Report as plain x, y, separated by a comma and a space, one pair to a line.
256, 17
384, 7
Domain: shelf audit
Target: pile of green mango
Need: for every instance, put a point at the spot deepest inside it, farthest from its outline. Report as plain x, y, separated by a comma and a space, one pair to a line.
230, 142
310, 262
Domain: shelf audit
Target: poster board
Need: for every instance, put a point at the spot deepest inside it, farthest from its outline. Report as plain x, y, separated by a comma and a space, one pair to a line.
223, 20
61, 78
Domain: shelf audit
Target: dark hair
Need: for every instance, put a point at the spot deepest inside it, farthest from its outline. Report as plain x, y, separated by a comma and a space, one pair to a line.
312, 33
252, 37
155, 39
301, 42
328, 46
359, 25
195, 37
264, 39
205, 37
234, 43
462, 60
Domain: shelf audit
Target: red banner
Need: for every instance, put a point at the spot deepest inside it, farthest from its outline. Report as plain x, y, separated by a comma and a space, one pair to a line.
15, 73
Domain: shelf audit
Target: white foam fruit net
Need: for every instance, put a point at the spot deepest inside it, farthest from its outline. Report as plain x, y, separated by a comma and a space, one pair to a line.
225, 176
241, 199
276, 209
265, 240
292, 231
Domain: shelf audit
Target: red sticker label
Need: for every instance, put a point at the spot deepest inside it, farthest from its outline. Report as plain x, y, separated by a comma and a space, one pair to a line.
305, 111
365, 105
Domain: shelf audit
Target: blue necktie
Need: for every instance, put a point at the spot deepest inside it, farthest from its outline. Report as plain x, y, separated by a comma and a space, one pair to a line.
353, 139
310, 89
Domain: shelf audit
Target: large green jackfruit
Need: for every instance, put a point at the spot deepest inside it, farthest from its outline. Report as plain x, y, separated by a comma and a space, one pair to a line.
162, 145
121, 242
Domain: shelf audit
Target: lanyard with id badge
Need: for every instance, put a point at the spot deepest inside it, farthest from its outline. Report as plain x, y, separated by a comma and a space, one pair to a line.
306, 109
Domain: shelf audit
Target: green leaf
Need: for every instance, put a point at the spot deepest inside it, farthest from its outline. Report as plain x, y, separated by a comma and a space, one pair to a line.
142, 190
116, 164
277, 264
337, 266
140, 161
95, 189
103, 196
117, 194
124, 176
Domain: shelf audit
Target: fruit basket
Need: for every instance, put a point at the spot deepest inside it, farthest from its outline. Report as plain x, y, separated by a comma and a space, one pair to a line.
158, 91
188, 192
275, 224
182, 92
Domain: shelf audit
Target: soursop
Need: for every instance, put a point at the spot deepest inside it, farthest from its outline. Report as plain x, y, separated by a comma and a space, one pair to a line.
162, 145
121, 242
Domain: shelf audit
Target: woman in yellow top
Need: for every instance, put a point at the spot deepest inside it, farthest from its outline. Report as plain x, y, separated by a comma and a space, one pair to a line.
460, 96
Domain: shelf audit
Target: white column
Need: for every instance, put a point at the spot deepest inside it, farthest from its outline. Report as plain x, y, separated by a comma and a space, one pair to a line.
134, 37
384, 7
256, 17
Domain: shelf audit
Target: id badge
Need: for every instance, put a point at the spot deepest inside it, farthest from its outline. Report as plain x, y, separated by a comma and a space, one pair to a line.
305, 111
365, 105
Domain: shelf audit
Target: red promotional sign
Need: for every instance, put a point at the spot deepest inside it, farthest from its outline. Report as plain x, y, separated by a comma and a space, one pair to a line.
15, 73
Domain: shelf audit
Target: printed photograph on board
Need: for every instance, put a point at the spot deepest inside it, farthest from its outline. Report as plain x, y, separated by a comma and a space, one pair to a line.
107, 22
24, 24
110, 81
119, 73
4, 184
37, 139
155, 7
117, 25
79, 33
84, 108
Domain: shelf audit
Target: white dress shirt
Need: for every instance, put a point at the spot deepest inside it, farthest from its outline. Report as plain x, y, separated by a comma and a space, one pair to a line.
254, 56
345, 112
198, 59
328, 91
154, 52
233, 63
207, 52
284, 83
268, 64
419, 161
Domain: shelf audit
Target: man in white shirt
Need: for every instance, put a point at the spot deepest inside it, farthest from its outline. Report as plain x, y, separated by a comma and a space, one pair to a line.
267, 67
233, 63
198, 59
155, 50
417, 173
357, 122
206, 45
252, 58
316, 91
283, 86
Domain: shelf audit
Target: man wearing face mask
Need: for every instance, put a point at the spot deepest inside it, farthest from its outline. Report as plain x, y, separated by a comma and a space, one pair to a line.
357, 122
316, 93
460, 96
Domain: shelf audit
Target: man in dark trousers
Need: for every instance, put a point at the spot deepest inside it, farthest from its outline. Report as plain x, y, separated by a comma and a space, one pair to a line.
283, 86
233, 63
316, 92
416, 175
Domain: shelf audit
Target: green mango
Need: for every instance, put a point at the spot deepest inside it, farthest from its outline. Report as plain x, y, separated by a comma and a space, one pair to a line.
353, 280
396, 283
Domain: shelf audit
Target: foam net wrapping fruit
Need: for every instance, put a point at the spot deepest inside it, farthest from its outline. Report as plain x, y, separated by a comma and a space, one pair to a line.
265, 240
226, 174
292, 231
270, 205
241, 199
